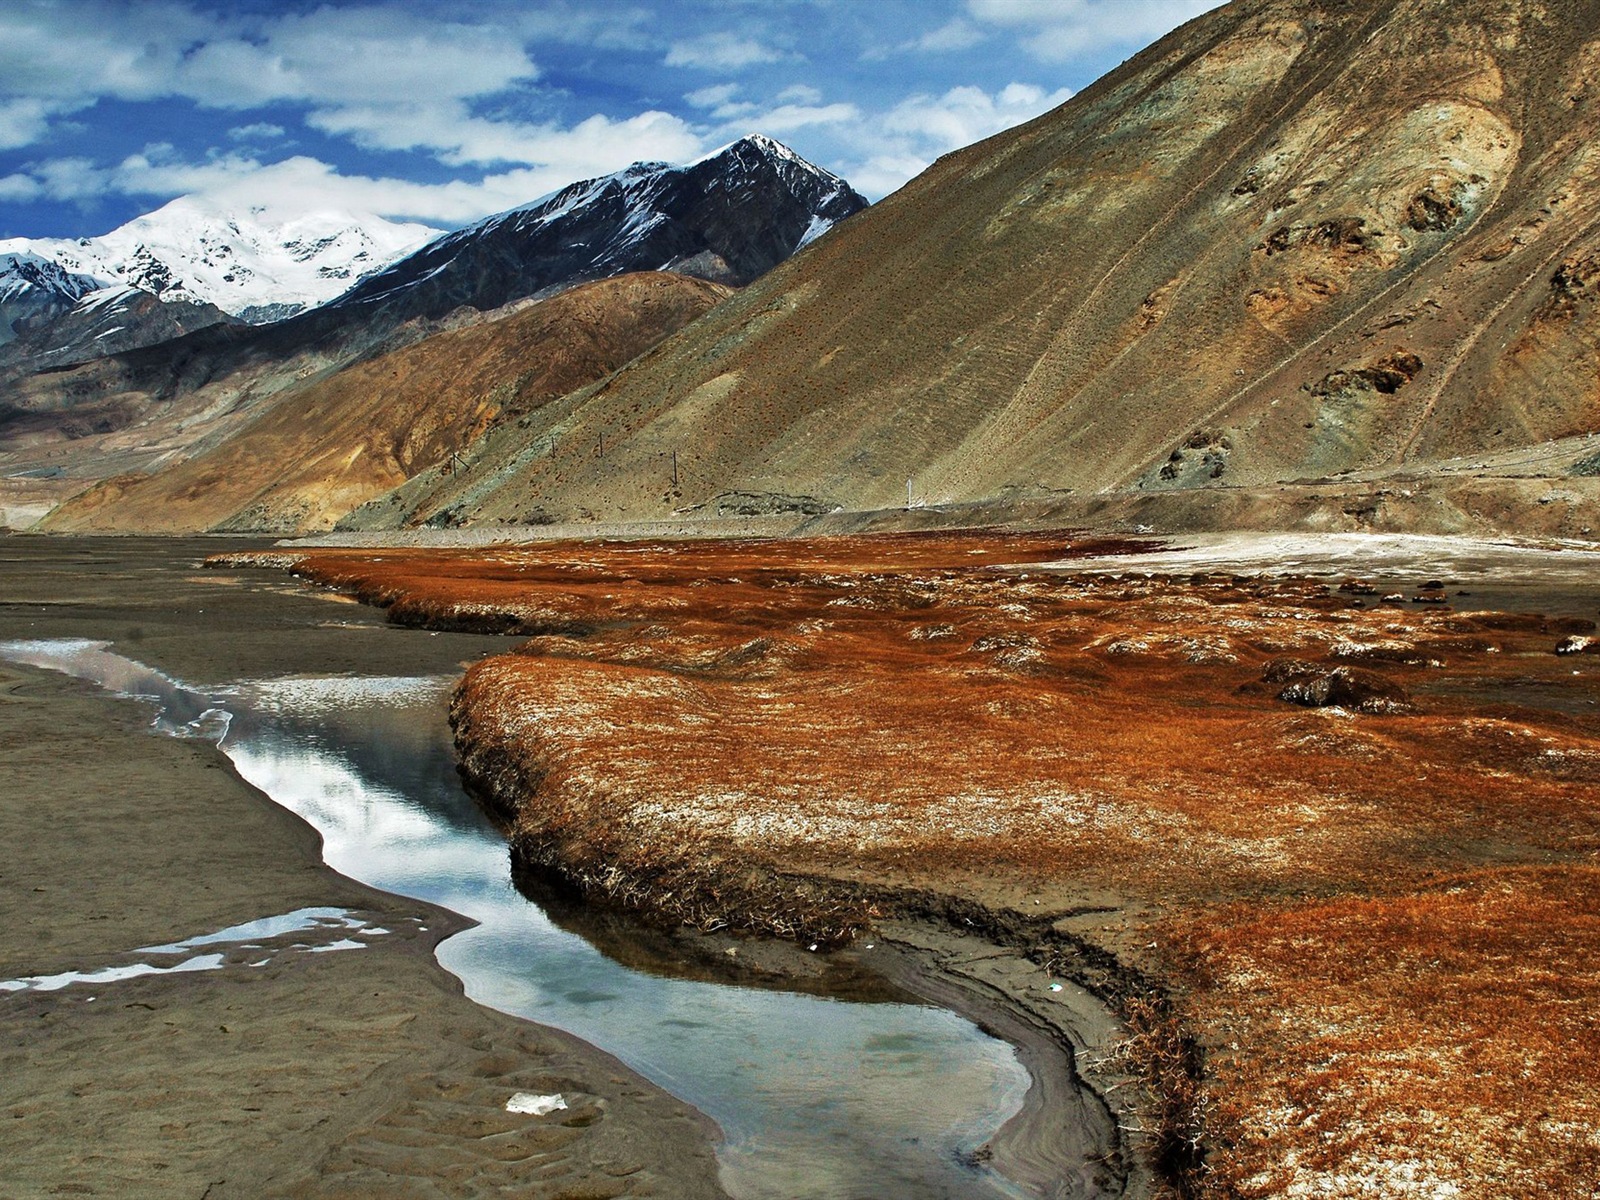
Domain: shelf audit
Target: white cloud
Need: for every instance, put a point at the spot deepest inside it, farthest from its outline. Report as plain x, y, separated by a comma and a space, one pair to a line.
593, 146
24, 121
19, 187
720, 52
786, 118
892, 147
1056, 30
54, 58
797, 107
714, 96
75, 52
355, 56
261, 131
799, 93
955, 35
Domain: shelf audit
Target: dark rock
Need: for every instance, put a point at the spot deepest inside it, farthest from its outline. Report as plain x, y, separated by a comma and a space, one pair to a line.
1313, 686
1431, 212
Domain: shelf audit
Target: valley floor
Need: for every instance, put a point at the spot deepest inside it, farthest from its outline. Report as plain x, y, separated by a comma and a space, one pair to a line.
1327, 845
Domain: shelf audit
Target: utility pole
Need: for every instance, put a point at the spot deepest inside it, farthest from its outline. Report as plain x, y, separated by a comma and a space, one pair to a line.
674, 466
602, 444
908, 493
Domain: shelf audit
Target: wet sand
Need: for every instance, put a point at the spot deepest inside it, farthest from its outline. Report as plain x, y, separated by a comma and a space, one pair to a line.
350, 1074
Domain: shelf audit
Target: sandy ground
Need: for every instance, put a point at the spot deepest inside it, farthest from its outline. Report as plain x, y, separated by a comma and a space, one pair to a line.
353, 1074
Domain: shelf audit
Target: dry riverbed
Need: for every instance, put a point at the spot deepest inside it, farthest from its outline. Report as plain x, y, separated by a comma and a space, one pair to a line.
319, 1075
1327, 845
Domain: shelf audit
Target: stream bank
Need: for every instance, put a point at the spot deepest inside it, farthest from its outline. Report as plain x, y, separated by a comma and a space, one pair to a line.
319, 1075
132, 585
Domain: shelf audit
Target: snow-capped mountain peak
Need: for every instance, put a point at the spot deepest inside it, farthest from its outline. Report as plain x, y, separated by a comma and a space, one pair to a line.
728, 216
256, 263
24, 274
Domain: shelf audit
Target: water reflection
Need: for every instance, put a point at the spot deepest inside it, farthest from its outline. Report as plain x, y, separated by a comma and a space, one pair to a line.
816, 1097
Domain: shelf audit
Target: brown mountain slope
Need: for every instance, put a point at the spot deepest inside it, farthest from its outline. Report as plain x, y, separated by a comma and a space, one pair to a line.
338, 442
1293, 240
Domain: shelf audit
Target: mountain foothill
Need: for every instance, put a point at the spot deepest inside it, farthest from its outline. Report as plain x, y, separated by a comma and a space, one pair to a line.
1324, 266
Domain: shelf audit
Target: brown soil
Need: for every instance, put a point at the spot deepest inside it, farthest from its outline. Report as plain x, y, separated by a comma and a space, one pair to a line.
1332, 857
326, 1075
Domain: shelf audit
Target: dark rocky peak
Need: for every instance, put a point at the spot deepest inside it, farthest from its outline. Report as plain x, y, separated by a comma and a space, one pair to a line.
730, 216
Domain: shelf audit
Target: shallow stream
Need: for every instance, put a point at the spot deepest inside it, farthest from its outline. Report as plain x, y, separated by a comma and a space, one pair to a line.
816, 1096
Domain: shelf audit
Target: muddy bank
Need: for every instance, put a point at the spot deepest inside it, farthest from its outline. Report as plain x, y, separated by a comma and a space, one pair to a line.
1308, 836
316, 1075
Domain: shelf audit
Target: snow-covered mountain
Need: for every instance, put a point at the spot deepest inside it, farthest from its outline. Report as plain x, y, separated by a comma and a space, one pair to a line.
729, 217
35, 289
256, 264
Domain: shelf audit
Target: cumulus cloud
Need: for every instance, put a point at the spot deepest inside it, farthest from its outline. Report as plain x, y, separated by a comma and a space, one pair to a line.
344, 56
1056, 30
902, 142
85, 50
714, 96
786, 118
74, 53
24, 121
720, 52
19, 187
54, 58
592, 146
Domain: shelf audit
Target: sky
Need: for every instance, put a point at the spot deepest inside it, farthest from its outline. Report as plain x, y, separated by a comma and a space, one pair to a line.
444, 111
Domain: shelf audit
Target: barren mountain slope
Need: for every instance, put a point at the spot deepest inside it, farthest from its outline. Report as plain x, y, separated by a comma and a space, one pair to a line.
727, 217
337, 442
1290, 241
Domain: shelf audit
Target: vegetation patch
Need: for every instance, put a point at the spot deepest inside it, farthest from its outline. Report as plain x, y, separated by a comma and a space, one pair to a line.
1348, 912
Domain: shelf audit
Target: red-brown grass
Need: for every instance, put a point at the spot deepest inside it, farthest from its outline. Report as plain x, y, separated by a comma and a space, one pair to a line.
1375, 931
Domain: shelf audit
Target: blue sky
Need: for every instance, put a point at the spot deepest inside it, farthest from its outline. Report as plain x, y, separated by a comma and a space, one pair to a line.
444, 112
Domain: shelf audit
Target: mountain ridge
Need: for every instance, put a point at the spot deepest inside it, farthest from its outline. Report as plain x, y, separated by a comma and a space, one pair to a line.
1287, 243
621, 221
730, 215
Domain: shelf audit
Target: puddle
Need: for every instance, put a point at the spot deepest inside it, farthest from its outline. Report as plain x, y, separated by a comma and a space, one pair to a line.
816, 1095
252, 936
